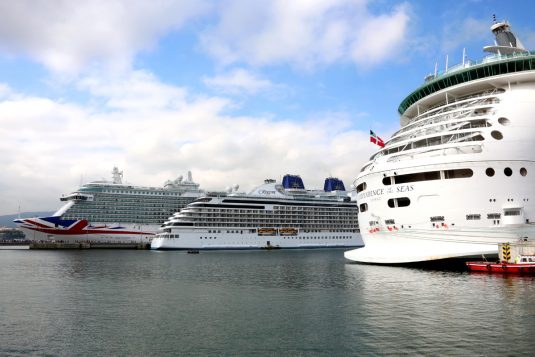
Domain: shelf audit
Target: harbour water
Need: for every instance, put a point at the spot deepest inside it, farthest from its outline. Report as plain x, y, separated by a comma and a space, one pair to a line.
150, 303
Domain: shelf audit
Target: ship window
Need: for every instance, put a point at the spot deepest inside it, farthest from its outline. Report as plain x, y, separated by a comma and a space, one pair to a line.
523, 171
437, 219
473, 217
460, 173
504, 121
363, 207
489, 171
493, 216
417, 176
399, 202
387, 181
512, 212
507, 171
203, 199
390, 221
496, 135
403, 201
361, 187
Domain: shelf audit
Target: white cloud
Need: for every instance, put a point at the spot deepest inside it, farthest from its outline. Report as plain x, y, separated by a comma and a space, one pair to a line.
135, 90
48, 145
463, 32
68, 35
238, 81
5, 91
379, 38
305, 33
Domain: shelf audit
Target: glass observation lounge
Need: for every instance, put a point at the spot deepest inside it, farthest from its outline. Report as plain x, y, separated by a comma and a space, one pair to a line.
494, 65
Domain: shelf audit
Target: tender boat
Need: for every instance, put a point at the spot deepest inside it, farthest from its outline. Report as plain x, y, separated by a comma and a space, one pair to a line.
522, 265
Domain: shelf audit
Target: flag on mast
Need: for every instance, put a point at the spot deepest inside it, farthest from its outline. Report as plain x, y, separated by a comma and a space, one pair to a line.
376, 140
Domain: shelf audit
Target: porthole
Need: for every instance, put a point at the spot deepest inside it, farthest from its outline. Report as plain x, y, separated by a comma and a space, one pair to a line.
496, 135
507, 171
504, 121
523, 171
363, 207
489, 171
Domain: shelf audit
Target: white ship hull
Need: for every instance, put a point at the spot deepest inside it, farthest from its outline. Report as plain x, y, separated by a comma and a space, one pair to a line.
198, 239
413, 237
414, 246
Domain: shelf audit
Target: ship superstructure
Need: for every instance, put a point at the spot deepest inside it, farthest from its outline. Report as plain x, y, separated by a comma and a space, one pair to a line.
113, 211
454, 180
271, 216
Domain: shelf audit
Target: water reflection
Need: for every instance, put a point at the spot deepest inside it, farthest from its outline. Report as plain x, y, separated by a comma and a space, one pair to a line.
102, 303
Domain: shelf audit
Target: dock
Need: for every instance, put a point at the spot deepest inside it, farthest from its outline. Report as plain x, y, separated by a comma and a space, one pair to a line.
508, 252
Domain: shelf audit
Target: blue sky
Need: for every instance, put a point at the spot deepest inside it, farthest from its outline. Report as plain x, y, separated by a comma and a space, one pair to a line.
236, 91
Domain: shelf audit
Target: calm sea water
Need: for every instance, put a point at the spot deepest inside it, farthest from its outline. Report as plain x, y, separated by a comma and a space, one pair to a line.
145, 303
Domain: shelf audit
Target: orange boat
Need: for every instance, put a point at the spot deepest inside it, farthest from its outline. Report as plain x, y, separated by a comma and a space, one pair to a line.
523, 265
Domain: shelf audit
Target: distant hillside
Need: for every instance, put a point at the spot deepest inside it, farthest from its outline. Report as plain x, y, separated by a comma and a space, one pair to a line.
7, 220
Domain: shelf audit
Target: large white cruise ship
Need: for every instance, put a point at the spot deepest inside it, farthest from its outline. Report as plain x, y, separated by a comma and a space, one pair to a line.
456, 179
271, 216
112, 211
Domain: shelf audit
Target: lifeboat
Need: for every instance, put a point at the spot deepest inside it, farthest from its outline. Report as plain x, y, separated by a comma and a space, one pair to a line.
288, 231
267, 231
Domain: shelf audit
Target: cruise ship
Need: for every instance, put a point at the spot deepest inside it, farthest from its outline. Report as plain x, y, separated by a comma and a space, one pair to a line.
112, 211
271, 216
456, 179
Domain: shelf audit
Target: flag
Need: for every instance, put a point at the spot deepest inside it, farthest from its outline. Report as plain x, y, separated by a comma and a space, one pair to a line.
376, 140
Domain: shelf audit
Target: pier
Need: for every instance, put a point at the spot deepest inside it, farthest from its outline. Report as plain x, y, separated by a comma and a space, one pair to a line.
509, 252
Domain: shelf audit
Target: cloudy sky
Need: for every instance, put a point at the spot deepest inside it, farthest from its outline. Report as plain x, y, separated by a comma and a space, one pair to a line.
235, 91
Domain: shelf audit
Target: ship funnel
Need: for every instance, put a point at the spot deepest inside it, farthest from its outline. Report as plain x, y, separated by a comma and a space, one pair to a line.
190, 178
506, 42
333, 184
293, 182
